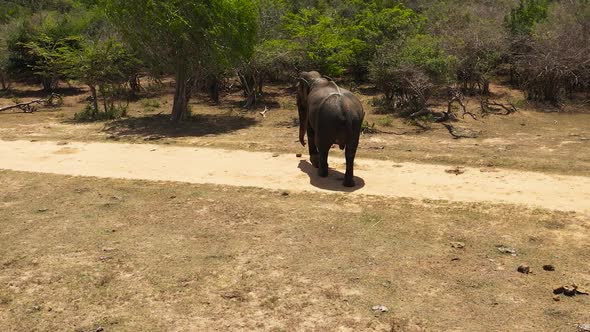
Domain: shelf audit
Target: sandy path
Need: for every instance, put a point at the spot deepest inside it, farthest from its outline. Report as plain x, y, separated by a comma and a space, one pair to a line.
259, 169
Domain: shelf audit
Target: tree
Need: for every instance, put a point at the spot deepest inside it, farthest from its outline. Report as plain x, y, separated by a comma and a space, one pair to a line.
36, 48
557, 60
186, 38
407, 71
470, 32
523, 18
104, 67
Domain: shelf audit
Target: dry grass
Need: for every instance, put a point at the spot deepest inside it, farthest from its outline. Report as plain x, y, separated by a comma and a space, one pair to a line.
528, 140
84, 253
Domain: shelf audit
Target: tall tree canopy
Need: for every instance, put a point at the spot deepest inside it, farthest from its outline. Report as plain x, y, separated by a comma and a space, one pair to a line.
187, 38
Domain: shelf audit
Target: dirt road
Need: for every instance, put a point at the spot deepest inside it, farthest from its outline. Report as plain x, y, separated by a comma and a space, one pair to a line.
287, 172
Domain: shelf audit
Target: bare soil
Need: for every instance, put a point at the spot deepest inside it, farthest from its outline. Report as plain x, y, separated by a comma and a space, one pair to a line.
79, 254
274, 171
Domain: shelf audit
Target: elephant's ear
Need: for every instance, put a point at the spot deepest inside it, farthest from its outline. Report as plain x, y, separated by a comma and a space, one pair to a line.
303, 89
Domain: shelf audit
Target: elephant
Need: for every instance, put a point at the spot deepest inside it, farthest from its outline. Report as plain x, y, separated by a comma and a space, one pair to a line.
329, 115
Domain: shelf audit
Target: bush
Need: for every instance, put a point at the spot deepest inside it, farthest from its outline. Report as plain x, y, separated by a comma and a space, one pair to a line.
88, 114
407, 74
556, 63
150, 103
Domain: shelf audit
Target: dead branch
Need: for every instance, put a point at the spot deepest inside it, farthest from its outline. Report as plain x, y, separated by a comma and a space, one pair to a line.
455, 96
457, 132
492, 107
53, 100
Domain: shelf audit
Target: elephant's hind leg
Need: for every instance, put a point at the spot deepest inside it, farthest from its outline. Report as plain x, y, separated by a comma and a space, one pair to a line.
324, 149
350, 153
313, 150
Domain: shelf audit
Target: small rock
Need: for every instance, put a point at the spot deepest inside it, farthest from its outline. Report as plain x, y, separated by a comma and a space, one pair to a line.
457, 245
153, 138
548, 267
558, 290
285, 193
556, 298
233, 295
107, 249
173, 197
524, 269
456, 170
298, 155
274, 155
36, 307
62, 143
584, 327
100, 329
569, 290
506, 250
42, 210
380, 308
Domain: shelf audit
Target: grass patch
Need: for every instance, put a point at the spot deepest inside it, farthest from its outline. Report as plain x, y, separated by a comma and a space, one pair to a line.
150, 103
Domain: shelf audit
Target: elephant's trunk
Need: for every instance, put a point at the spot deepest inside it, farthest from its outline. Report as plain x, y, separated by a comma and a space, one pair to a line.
302, 119
302, 131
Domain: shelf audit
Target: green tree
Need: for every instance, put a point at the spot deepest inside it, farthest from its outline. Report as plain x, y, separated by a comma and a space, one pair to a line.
104, 67
523, 18
35, 49
187, 38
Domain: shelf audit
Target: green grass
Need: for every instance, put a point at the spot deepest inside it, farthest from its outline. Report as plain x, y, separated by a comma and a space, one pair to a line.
150, 103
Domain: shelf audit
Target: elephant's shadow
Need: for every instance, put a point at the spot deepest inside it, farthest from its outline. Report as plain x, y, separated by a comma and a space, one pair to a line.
334, 180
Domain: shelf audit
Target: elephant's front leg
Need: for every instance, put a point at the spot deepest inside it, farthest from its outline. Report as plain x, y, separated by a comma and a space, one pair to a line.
313, 149
324, 149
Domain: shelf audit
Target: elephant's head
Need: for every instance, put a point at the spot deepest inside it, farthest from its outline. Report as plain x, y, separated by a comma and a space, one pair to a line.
305, 84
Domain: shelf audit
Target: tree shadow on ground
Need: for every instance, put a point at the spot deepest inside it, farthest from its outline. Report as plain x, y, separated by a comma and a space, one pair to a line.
334, 180
65, 92
160, 125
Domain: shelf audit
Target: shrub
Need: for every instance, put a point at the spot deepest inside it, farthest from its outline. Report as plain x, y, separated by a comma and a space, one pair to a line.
89, 114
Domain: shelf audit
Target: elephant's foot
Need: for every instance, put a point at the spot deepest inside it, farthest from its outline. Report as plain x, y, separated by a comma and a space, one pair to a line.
348, 183
315, 160
323, 172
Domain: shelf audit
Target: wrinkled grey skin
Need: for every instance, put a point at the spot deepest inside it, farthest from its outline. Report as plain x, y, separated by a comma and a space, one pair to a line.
329, 115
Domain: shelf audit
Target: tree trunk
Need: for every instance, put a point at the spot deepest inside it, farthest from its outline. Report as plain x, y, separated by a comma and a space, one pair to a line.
214, 90
47, 83
4, 81
181, 96
134, 84
94, 98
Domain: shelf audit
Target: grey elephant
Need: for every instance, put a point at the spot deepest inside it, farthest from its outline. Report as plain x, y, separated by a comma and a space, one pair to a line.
329, 115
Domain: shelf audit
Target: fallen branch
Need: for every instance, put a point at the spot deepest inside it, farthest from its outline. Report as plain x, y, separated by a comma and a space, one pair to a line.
53, 100
457, 132
493, 107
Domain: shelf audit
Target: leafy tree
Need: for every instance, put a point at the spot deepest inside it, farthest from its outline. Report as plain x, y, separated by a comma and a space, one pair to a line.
187, 38
346, 38
523, 18
36, 48
104, 67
